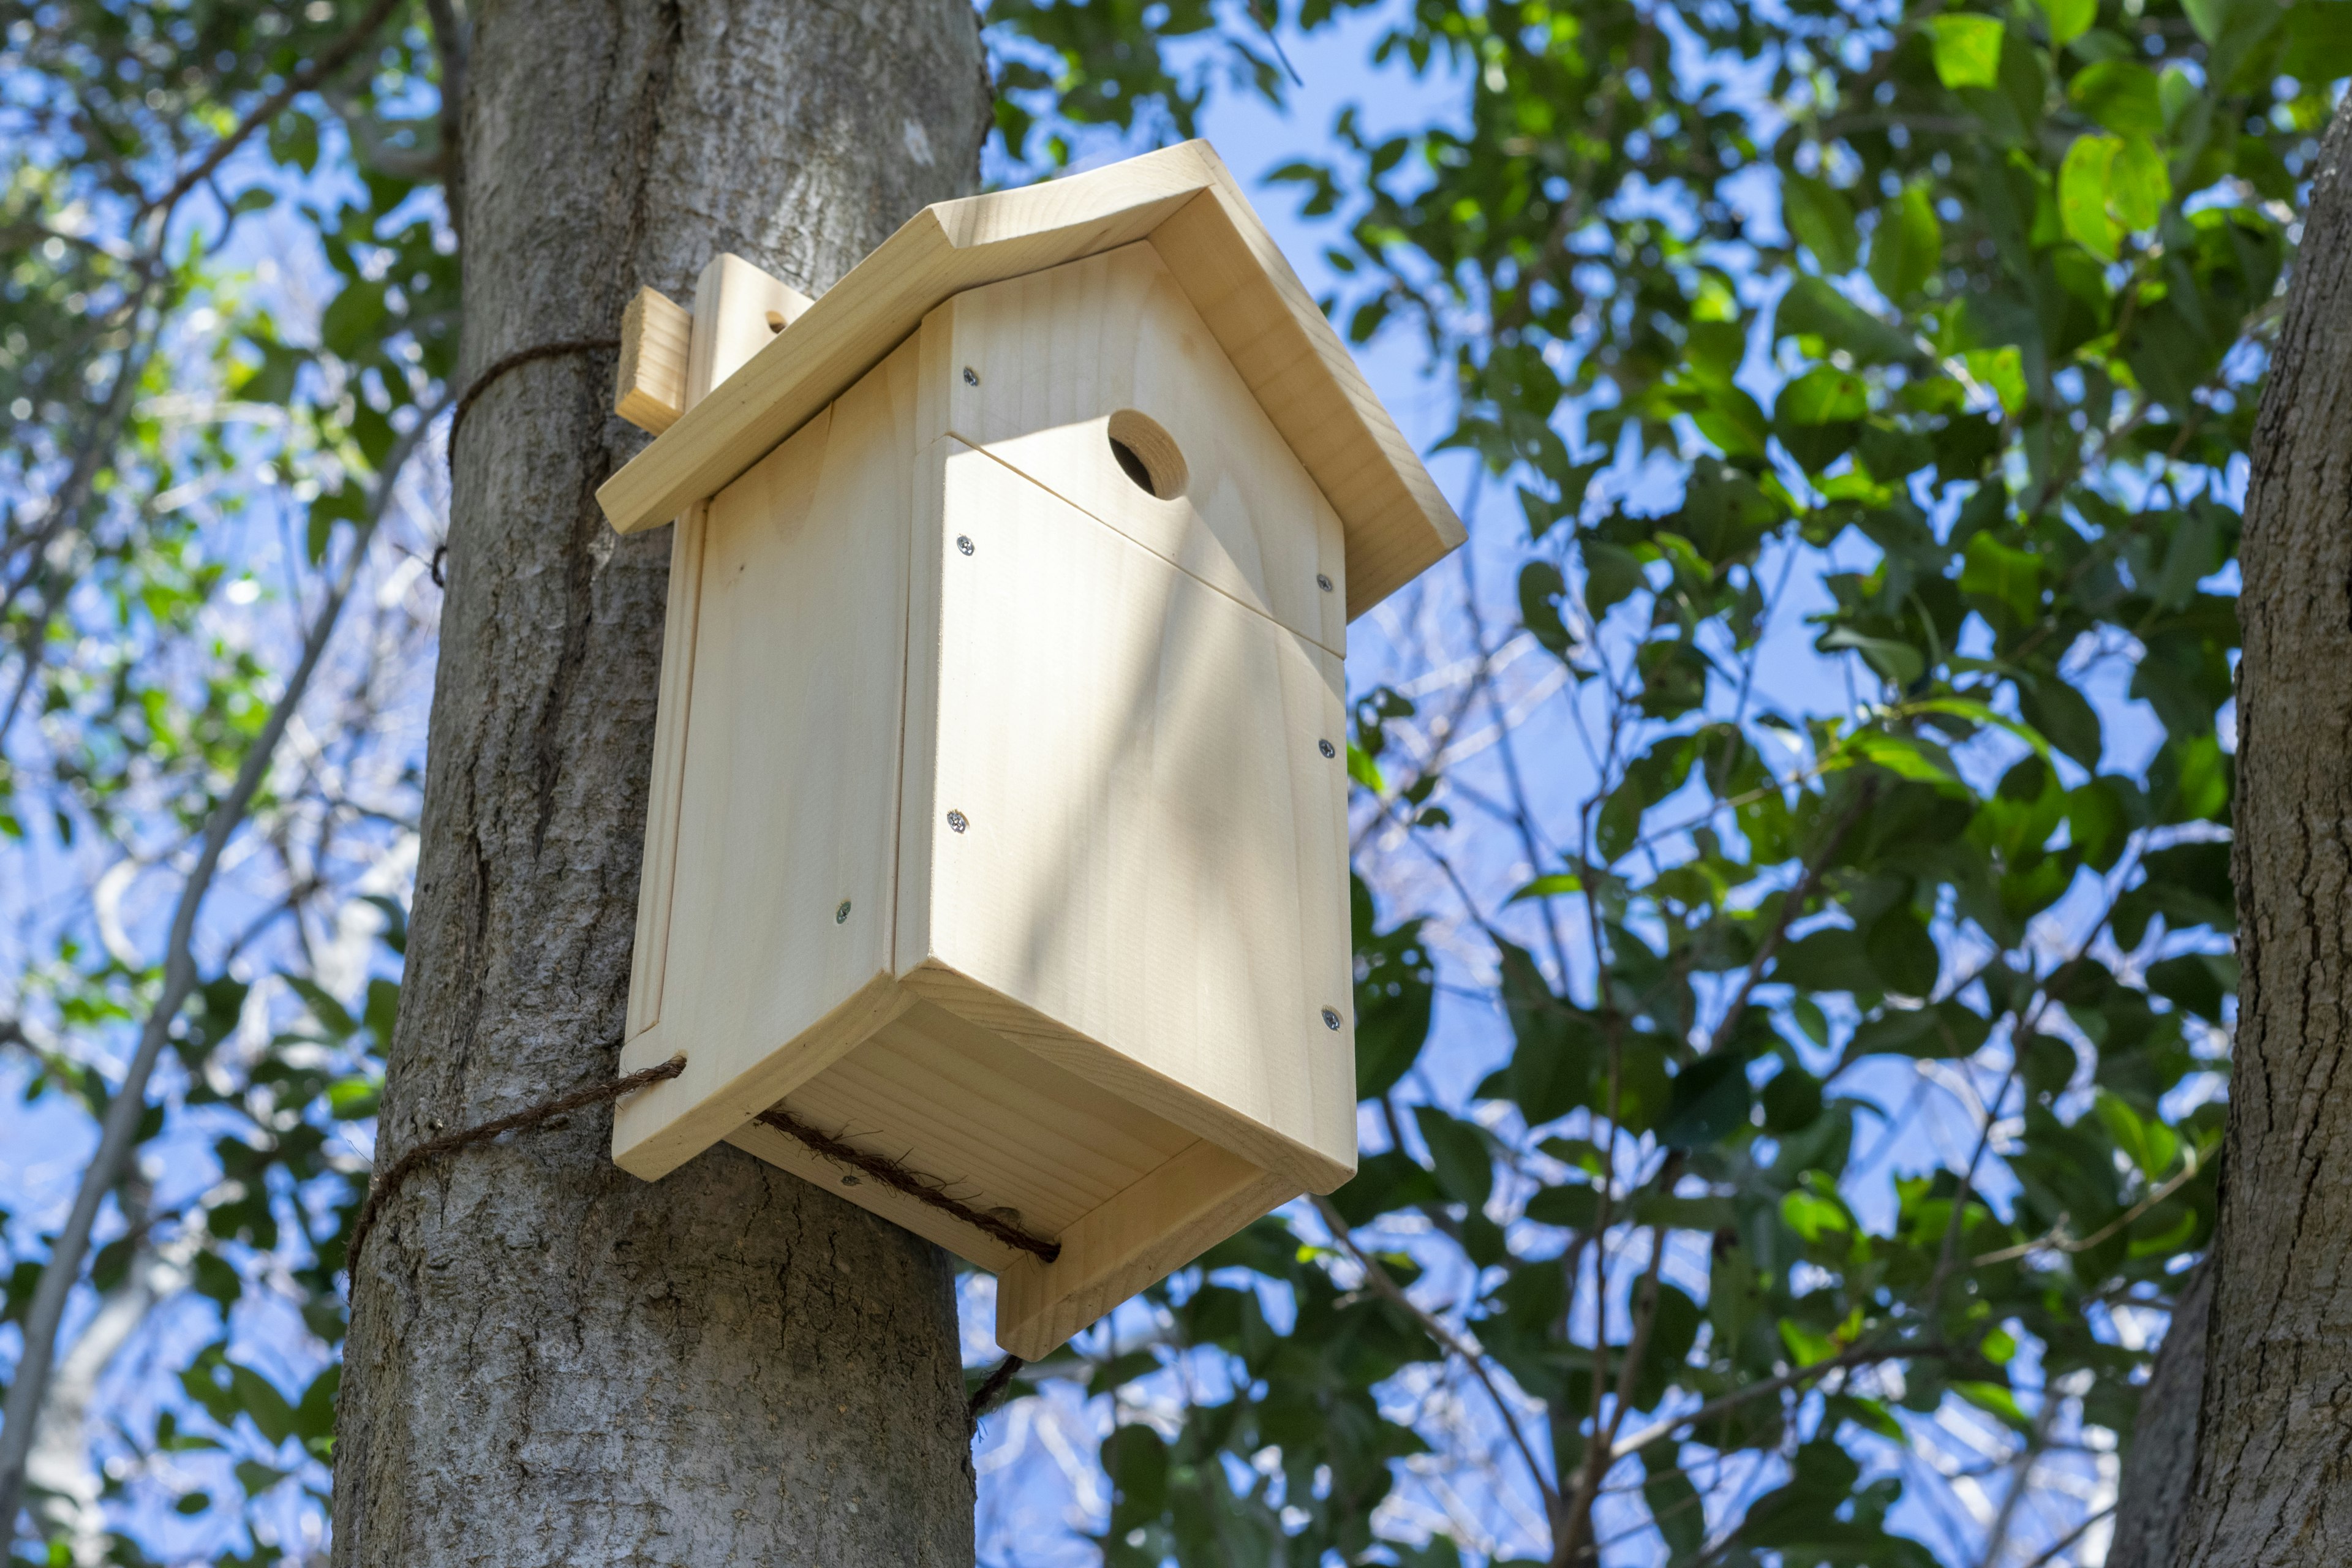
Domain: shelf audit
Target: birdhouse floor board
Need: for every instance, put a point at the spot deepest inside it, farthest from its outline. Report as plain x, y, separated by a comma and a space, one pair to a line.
1156, 1226
996, 1126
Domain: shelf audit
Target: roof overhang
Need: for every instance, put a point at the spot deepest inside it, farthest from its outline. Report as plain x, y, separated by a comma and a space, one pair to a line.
1184, 201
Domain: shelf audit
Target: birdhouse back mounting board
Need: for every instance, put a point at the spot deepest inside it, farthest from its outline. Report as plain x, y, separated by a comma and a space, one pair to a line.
998, 825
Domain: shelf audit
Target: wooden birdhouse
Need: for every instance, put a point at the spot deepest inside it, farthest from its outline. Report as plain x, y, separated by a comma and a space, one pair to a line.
996, 862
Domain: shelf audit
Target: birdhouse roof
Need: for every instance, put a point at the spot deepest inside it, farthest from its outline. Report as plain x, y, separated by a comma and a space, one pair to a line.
1185, 202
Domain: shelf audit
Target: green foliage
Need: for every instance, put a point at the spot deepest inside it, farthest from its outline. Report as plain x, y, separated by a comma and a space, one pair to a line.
2009, 328
209, 382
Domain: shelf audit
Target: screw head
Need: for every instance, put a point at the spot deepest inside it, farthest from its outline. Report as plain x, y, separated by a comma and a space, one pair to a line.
1326, 748
1323, 582
963, 544
841, 915
958, 821
1331, 1017
970, 376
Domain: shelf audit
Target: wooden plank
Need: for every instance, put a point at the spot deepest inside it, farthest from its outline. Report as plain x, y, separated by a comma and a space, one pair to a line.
1395, 520
1399, 525
1145, 1233
1067, 359
753, 306
1148, 886
1001, 1127
783, 881
657, 337
743, 331
941, 1229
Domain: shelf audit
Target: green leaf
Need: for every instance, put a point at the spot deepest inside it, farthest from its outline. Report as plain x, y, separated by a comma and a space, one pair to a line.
2069, 19
1906, 248
1995, 1400
2120, 95
1819, 219
2138, 185
257, 1478
1968, 49
2083, 195
2002, 370
1902, 952
1897, 661
259, 1398
2144, 1142
1822, 395
1569, 1207
1364, 771
1550, 886
1812, 308
1458, 1149
2013, 577
2063, 716
1710, 1098
1813, 1216
351, 319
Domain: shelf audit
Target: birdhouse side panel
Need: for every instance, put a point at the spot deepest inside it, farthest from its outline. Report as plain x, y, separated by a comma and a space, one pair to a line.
1045, 372
1131, 805
780, 918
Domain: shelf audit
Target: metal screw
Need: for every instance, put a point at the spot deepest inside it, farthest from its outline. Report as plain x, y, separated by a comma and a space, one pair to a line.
1323, 582
1325, 747
1331, 1017
963, 542
970, 376
841, 915
959, 821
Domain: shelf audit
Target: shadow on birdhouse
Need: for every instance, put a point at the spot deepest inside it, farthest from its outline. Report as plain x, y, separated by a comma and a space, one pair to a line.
995, 869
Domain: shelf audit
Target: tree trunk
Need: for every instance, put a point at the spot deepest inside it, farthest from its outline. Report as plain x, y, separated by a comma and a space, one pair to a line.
2161, 1461
2274, 1441
551, 1362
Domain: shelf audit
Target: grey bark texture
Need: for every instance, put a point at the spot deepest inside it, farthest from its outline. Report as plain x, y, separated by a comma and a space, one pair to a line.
2158, 1470
551, 1362
2274, 1440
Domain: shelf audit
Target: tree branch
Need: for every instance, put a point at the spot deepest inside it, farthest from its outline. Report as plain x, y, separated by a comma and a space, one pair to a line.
118, 1136
1382, 1281
304, 79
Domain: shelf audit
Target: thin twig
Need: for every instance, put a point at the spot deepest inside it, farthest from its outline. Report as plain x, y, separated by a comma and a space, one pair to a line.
310, 74
1385, 1283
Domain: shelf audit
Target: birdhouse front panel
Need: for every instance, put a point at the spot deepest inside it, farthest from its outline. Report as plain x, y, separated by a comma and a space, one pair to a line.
996, 858
1067, 361
1128, 820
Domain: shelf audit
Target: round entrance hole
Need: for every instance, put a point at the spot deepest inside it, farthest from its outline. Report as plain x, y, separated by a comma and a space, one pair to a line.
1147, 454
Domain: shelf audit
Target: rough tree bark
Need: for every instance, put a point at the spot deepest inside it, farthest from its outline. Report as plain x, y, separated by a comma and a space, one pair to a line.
2275, 1442
2154, 1497
551, 1362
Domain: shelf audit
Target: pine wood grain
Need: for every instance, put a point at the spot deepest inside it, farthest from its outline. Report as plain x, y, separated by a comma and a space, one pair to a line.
787, 805
1182, 199
1056, 355
1151, 874
650, 384
1155, 1227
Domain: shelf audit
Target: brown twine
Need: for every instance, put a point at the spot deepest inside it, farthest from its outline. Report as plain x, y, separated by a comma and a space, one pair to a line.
381, 1189
985, 1398
897, 1178
520, 357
